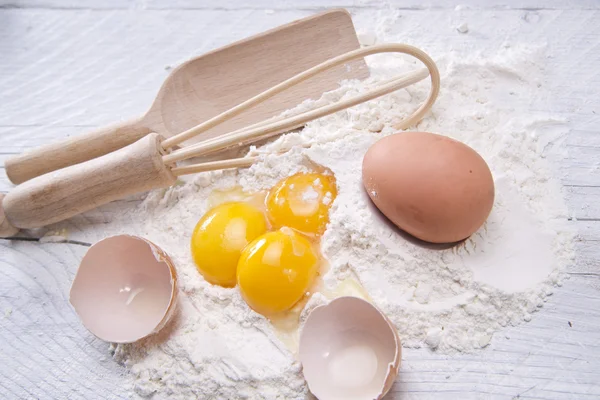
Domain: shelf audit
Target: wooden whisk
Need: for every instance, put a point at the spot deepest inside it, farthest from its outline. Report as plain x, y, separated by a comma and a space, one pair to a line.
151, 162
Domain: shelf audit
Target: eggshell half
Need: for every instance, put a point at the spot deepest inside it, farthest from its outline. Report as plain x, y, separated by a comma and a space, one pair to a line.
125, 289
349, 350
431, 186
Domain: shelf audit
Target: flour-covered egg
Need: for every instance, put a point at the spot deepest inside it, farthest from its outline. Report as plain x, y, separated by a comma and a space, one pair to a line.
435, 188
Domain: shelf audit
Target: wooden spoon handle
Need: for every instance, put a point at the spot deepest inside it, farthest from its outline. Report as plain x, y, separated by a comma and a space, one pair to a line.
62, 194
73, 151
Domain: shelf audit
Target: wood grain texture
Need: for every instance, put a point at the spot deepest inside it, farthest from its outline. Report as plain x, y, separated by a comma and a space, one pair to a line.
61, 194
6, 228
41, 160
48, 354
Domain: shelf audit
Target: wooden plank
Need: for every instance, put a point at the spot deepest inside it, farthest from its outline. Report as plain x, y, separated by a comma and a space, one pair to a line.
299, 4
584, 202
50, 352
544, 358
583, 161
117, 56
37, 92
588, 231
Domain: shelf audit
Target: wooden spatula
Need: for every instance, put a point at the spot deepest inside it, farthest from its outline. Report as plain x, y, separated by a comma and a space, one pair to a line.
215, 82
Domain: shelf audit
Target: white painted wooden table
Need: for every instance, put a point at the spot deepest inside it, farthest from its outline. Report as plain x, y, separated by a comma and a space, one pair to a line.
68, 66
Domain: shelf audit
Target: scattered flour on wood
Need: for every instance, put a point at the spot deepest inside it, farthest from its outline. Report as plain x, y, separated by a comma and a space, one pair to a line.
447, 300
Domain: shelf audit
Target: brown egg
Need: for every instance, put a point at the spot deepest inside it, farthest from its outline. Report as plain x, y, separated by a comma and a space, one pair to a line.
433, 187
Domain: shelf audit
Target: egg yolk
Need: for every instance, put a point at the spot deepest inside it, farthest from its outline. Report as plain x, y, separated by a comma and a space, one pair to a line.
302, 202
219, 238
276, 270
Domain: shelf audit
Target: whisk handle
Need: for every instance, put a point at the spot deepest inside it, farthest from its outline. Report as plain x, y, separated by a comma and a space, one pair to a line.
67, 192
78, 149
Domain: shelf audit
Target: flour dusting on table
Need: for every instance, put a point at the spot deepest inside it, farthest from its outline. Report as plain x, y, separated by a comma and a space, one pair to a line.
447, 300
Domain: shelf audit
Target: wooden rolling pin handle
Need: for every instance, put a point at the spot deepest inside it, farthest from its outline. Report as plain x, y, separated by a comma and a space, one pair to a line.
67, 192
73, 151
6, 229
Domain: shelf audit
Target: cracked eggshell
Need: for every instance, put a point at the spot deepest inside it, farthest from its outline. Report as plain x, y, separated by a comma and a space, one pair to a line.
125, 289
349, 350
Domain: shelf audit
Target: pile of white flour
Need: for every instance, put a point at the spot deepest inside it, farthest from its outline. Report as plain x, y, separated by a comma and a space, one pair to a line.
445, 299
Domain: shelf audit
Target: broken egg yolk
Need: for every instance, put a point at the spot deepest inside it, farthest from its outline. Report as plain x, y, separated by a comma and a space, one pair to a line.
276, 270
219, 238
302, 202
